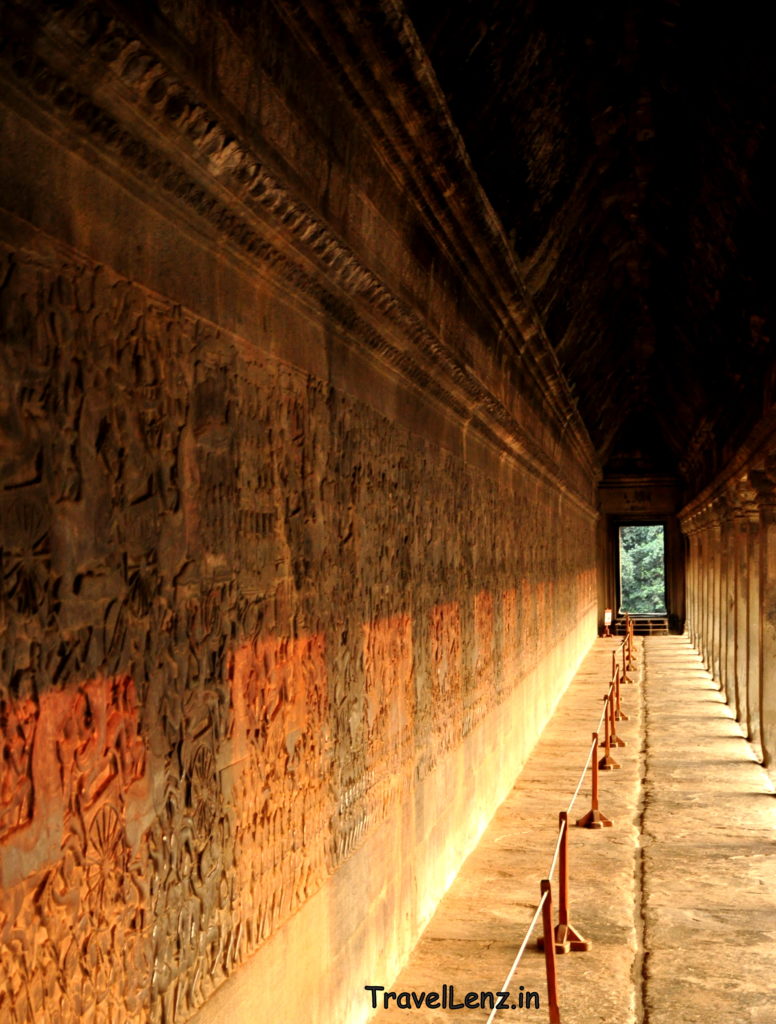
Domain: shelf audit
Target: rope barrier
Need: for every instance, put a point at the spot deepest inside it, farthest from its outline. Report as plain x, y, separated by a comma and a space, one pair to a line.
619, 714
565, 937
601, 719
614, 739
518, 958
557, 851
594, 818
607, 762
587, 765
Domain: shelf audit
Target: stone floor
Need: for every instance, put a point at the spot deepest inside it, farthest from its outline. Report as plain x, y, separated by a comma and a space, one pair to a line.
678, 898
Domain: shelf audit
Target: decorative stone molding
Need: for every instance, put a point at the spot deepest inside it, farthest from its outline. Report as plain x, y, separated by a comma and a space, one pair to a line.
227, 610
182, 147
218, 580
763, 482
743, 499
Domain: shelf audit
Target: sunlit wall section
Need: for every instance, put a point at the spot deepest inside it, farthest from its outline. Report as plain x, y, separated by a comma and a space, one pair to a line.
297, 526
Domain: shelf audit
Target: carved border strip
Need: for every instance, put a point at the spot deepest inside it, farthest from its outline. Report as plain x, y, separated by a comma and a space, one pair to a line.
254, 191
419, 134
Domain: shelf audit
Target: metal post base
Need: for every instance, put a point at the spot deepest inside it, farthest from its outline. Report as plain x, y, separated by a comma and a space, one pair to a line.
594, 819
608, 764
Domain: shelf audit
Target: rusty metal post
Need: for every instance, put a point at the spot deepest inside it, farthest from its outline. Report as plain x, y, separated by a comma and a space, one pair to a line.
566, 935
631, 646
624, 672
614, 739
619, 714
594, 818
607, 762
549, 953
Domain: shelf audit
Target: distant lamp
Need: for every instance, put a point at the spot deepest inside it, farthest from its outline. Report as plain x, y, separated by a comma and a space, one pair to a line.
607, 622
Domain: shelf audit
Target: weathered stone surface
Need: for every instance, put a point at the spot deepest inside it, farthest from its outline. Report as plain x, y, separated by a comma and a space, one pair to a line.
730, 566
297, 523
268, 570
709, 908
297, 507
677, 897
475, 935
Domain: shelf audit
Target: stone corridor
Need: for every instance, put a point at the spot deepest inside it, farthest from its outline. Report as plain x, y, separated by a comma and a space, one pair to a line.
678, 898
340, 341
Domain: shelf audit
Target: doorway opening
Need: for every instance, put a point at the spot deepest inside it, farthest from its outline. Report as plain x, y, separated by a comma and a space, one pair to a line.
643, 570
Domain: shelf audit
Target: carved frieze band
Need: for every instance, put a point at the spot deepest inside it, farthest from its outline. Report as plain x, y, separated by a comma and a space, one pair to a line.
231, 633
231, 629
420, 135
224, 182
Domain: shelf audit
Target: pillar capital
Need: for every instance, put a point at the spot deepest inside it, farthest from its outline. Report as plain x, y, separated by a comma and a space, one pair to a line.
709, 516
742, 496
690, 525
724, 507
763, 483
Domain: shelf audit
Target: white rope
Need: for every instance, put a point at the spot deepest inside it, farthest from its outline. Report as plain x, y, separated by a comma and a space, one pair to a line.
528, 934
603, 715
504, 987
561, 830
587, 762
581, 778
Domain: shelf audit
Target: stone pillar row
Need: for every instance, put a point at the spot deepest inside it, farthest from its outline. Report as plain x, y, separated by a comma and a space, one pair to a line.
731, 597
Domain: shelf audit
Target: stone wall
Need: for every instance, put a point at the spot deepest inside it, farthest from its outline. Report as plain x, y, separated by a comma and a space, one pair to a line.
296, 514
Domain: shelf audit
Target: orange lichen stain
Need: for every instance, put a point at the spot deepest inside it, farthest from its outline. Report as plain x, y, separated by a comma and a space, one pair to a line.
446, 651
98, 748
483, 635
509, 643
73, 884
279, 696
387, 652
280, 777
68, 749
446, 680
18, 719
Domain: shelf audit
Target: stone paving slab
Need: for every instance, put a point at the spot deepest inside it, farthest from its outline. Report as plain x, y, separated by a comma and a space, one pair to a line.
474, 936
679, 897
708, 838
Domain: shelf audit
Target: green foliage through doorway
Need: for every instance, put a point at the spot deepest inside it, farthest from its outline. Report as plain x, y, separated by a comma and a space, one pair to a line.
642, 570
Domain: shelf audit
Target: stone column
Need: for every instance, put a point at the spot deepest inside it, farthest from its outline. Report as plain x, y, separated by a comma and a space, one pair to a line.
705, 592
693, 580
745, 523
730, 529
690, 572
766, 495
698, 583
715, 562
722, 601
708, 643
753, 624
738, 666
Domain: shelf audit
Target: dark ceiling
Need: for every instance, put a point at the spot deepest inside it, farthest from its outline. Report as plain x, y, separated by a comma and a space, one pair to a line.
629, 151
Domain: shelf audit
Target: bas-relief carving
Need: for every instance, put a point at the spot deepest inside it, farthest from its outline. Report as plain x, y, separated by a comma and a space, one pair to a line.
221, 583
446, 677
247, 195
282, 752
484, 668
74, 928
